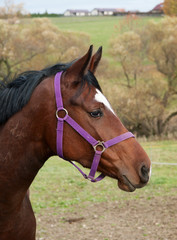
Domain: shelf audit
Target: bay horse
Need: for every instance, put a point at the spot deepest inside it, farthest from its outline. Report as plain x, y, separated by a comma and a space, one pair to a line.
67, 97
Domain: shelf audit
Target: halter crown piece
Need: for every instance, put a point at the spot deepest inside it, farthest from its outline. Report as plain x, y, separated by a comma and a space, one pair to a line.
95, 143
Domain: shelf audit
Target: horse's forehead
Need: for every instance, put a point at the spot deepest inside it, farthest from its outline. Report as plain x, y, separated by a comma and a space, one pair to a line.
99, 97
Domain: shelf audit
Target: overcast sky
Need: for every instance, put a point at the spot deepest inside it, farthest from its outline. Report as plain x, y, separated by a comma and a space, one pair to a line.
59, 6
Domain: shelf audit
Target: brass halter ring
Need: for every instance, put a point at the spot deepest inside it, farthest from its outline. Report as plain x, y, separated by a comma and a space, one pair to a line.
61, 109
101, 144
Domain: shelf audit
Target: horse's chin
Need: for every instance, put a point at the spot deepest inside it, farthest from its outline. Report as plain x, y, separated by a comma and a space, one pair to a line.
126, 185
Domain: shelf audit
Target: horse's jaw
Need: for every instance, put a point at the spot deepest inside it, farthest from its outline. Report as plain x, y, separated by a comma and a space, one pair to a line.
125, 184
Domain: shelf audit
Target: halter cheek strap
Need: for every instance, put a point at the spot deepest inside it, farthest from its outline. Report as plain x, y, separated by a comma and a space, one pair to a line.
95, 143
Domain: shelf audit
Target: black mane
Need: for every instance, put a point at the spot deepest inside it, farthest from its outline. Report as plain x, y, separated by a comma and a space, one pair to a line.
16, 94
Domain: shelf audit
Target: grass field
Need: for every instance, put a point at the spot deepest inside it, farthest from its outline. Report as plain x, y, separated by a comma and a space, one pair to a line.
99, 29
59, 185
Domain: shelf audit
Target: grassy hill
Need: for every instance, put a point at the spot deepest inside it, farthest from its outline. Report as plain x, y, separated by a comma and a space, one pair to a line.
100, 29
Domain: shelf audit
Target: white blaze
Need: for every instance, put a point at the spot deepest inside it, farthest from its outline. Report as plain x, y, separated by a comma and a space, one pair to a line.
99, 97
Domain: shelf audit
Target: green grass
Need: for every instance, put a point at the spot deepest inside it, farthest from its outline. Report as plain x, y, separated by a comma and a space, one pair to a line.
163, 175
59, 184
100, 29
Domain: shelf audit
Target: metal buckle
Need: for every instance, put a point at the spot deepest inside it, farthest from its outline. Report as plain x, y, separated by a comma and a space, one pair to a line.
101, 144
61, 109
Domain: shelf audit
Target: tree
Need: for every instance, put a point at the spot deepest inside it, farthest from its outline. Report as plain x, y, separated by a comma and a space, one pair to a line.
170, 7
10, 9
162, 50
34, 44
161, 40
127, 50
140, 107
149, 105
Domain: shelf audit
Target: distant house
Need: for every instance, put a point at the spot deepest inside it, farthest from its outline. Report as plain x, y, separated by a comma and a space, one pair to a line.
71, 12
158, 9
106, 11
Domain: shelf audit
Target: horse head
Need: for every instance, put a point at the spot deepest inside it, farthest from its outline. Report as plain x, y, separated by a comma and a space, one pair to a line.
82, 96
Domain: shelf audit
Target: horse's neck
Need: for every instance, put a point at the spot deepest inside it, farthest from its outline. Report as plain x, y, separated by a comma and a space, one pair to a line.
23, 146
21, 157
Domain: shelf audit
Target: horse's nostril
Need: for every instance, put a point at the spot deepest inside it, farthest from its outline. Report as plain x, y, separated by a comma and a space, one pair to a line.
144, 170
144, 174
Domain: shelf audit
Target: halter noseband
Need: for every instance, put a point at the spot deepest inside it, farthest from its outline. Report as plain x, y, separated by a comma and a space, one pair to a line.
95, 143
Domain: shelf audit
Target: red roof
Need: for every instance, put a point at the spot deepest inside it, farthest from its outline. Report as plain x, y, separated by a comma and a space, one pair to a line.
159, 7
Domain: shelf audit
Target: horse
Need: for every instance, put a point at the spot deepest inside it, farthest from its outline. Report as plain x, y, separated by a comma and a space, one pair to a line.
78, 124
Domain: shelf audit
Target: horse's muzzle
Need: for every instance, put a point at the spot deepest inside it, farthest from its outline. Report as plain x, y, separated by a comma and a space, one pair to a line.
128, 185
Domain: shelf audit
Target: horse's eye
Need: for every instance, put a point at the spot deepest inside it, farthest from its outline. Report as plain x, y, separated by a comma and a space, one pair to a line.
97, 113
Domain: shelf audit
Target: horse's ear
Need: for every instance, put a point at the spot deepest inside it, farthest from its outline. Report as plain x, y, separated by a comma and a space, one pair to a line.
95, 60
80, 66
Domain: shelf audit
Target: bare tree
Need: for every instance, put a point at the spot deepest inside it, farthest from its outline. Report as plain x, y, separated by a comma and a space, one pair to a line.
149, 62
35, 43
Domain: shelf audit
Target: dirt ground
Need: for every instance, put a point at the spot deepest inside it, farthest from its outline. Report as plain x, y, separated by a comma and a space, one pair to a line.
141, 219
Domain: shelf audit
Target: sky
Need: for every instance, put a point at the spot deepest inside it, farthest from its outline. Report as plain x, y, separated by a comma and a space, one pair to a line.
59, 6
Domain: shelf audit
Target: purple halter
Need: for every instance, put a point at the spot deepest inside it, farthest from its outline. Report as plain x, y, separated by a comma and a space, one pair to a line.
95, 143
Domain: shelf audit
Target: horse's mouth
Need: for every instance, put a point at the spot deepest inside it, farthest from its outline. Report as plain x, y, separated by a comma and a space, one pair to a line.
126, 185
